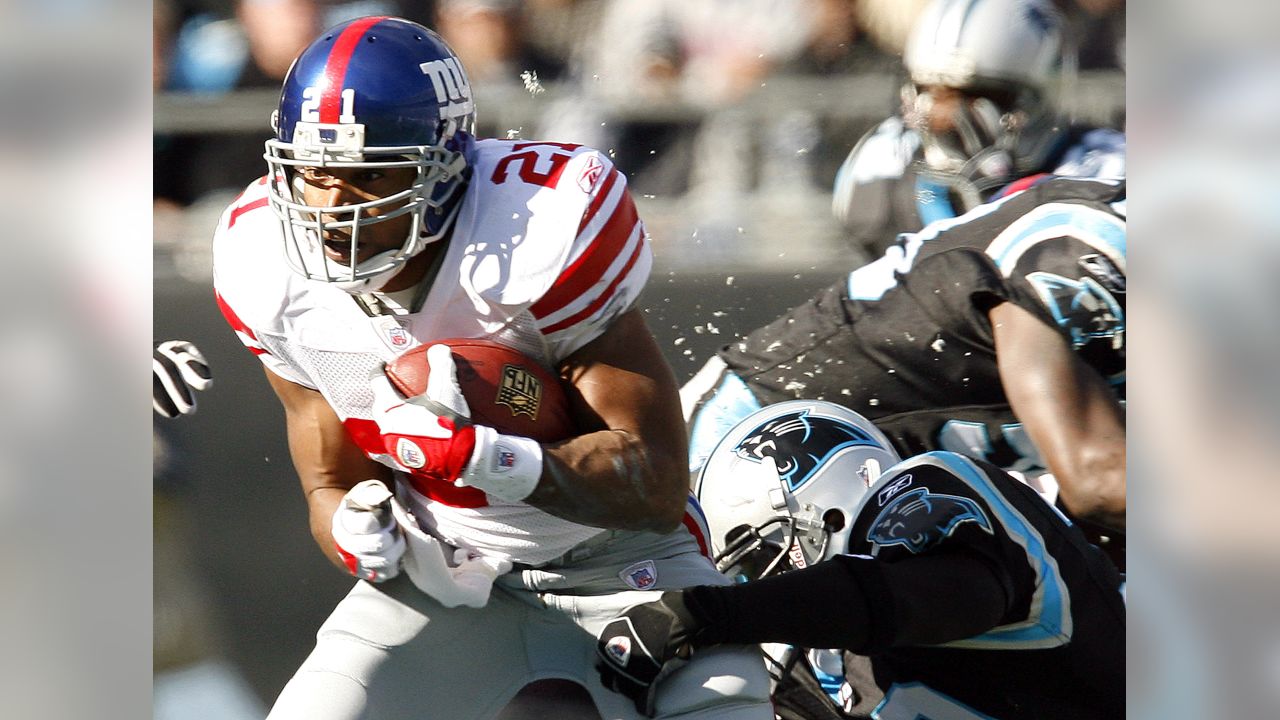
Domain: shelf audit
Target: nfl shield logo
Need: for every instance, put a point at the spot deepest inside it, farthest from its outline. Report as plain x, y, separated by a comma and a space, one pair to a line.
392, 334
619, 650
397, 336
409, 454
520, 391
640, 576
506, 459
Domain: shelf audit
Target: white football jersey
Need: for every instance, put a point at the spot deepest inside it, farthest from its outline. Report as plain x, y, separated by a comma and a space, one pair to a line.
546, 252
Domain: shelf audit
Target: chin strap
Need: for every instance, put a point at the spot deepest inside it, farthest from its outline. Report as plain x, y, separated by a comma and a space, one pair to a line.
440, 215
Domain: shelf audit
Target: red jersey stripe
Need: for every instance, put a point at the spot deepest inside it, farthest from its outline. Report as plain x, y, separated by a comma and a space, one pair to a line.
1022, 184
232, 319
603, 297
235, 214
246, 335
587, 270
335, 69
598, 201
695, 530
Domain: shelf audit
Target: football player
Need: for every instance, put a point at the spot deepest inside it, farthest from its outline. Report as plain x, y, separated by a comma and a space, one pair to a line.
485, 560
999, 334
972, 597
976, 116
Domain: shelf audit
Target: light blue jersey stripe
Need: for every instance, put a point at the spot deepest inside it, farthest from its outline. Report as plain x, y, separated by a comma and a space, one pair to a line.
873, 280
933, 200
1100, 230
1049, 622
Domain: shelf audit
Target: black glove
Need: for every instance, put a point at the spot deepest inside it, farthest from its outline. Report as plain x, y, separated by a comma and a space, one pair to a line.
644, 644
177, 371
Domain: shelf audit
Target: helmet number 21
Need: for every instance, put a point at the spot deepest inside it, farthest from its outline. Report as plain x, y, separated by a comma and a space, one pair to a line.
311, 105
527, 160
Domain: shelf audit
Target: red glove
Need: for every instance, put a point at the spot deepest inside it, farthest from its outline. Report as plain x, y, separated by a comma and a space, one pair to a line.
432, 435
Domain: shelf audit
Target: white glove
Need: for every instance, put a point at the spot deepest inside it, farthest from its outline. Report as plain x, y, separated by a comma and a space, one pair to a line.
432, 435
177, 370
366, 533
468, 582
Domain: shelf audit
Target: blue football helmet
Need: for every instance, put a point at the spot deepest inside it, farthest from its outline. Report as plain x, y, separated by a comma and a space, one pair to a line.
375, 92
780, 488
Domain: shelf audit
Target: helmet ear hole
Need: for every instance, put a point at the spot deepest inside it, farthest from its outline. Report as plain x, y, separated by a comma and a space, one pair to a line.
833, 519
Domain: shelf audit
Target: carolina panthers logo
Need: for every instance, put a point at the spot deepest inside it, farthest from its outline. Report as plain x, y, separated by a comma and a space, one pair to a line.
1083, 307
800, 443
919, 519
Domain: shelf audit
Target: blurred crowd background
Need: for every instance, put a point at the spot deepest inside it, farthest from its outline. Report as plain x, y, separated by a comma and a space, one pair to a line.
730, 117
81, 97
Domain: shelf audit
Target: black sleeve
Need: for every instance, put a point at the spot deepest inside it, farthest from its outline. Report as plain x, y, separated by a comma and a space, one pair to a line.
856, 603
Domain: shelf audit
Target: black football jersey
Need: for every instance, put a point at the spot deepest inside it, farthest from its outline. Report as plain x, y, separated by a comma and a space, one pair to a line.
1059, 650
906, 340
906, 198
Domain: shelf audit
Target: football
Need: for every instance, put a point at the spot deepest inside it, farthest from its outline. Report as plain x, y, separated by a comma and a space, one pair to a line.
505, 389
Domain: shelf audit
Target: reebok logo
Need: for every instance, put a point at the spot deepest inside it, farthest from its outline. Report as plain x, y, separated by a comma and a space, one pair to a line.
896, 487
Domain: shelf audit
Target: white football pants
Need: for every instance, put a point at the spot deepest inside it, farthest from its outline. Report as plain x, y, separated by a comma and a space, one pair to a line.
389, 651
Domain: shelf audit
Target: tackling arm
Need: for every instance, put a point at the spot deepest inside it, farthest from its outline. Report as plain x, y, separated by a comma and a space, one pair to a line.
327, 460
851, 601
856, 603
1069, 412
627, 470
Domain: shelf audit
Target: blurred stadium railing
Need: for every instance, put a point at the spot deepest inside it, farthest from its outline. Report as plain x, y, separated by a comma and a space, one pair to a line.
781, 146
1095, 97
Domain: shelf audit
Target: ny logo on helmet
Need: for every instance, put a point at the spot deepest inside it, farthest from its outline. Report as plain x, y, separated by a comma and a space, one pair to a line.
919, 519
453, 91
800, 443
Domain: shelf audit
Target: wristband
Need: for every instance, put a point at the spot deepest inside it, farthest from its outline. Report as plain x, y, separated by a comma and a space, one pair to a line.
507, 467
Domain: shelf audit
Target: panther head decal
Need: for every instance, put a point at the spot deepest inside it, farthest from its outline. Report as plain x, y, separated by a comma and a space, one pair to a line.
800, 443
920, 519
